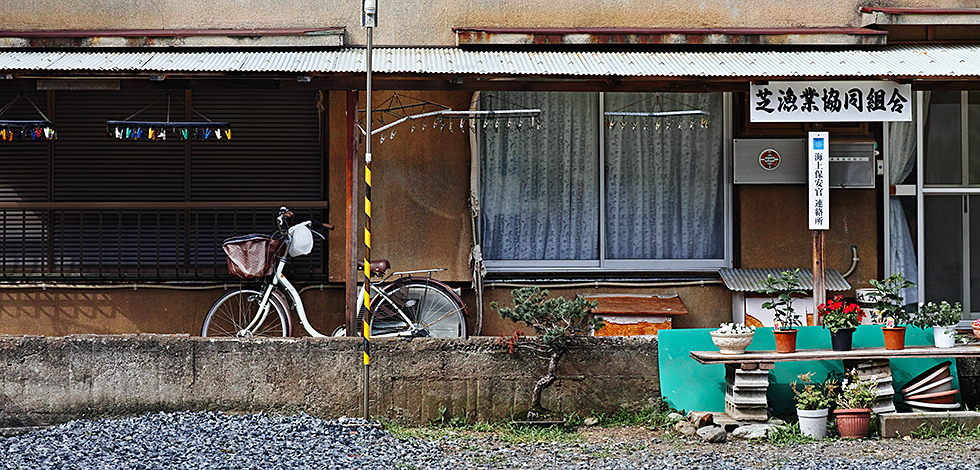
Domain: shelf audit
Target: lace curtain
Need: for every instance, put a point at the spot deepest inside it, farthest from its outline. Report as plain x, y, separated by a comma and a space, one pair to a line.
663, 188
540, 196
901, 162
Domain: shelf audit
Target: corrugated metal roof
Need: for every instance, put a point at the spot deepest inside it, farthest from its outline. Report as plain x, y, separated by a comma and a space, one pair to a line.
748, 280
889, 61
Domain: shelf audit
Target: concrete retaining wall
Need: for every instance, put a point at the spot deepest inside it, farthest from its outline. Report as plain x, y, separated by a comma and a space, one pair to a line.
46, 380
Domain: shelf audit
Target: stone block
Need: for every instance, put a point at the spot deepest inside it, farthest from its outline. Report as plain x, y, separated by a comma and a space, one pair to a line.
902, 424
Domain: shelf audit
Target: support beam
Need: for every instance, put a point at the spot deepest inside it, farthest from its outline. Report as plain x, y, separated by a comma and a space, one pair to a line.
352, 181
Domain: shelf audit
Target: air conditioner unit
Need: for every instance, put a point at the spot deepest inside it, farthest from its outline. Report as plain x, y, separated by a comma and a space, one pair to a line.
783, 161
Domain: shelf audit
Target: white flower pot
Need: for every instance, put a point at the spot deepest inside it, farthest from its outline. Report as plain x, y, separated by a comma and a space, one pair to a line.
731, 344
813, 423
944, 336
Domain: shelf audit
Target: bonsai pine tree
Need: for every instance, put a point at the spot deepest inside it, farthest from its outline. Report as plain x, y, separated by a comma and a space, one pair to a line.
557, 321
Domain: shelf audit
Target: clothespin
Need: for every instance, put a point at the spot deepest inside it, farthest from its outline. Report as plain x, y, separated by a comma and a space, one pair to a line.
152, 135
183, 133
228, 134
217, 133
163, 134
207, 133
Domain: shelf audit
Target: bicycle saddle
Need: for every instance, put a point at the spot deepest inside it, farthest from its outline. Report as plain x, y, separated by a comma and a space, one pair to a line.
378, 266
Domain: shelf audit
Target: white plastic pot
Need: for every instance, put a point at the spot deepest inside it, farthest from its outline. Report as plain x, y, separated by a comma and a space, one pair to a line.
813, 423
944, 336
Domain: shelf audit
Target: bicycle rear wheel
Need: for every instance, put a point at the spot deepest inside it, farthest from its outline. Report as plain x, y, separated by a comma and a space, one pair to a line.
431, 307
233, 312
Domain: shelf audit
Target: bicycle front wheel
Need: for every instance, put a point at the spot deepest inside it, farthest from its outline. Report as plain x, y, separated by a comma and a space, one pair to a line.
418, 307
234, 311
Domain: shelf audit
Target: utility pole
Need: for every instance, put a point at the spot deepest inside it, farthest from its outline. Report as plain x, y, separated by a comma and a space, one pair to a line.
369, 20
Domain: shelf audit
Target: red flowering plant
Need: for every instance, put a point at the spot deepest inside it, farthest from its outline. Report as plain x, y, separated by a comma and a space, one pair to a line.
836, 314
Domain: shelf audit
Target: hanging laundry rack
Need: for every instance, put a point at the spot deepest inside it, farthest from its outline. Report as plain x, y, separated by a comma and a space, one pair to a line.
128, 129
26, 129
659, 118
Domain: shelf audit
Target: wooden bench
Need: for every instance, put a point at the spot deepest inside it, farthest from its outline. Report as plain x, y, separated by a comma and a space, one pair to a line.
747, 381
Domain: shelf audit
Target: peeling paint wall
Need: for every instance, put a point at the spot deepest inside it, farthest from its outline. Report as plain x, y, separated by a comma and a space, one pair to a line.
430, 22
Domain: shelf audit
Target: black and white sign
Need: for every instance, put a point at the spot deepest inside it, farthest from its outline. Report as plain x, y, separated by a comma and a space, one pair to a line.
831, 101
818, 145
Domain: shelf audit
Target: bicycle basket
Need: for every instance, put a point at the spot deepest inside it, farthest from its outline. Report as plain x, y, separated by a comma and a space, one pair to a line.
251, 256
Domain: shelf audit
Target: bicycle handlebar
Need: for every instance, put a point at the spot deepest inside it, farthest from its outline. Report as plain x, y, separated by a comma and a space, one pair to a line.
286, 215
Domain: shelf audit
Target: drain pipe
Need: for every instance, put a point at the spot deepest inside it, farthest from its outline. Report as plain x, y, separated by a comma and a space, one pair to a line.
854, 260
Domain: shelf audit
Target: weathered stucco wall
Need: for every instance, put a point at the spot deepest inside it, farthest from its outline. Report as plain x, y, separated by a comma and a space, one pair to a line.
51, 380
60, 312
420, 188
774, 231
431, 22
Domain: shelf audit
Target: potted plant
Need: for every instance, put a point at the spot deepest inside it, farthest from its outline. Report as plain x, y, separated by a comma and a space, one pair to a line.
889, 304
733, 338
841, 318
943, 319
976, 328
558, 322
813, 405
854, 402
781, 291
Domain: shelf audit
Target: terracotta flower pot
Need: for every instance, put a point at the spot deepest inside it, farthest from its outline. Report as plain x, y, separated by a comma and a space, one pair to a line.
841, 339
853, 422
785, 340
976, 331
894, 337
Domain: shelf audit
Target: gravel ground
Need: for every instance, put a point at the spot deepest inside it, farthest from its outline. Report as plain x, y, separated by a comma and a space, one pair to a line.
216, 441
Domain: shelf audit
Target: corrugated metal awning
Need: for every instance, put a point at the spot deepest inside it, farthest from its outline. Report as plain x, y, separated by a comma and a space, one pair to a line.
748, 280
952, 61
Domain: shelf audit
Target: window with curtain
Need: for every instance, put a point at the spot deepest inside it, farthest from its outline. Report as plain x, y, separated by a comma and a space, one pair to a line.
581, 193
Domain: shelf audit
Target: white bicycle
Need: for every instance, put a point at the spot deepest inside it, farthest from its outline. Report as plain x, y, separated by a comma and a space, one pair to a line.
411, 305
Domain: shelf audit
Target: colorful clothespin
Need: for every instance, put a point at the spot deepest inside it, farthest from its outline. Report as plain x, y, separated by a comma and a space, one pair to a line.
228, 134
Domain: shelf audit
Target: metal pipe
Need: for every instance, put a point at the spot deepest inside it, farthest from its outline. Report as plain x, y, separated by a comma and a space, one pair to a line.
854, 260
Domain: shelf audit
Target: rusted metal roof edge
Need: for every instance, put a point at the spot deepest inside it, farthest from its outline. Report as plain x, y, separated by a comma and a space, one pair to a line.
921, 11
75, 33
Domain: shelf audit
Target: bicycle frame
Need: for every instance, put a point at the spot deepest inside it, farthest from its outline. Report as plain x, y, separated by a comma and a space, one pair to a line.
378, 293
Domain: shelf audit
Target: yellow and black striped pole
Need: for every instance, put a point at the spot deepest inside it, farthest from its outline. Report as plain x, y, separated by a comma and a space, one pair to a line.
369, 15
367, 281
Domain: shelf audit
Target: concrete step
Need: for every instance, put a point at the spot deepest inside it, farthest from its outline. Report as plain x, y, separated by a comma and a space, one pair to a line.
902, 424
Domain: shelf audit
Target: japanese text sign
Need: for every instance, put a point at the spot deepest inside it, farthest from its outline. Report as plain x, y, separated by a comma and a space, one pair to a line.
818, 153
831, 101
